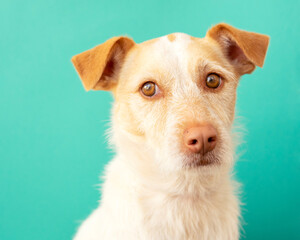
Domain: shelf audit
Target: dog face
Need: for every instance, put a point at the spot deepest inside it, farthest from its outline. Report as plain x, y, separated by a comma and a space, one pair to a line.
175, 95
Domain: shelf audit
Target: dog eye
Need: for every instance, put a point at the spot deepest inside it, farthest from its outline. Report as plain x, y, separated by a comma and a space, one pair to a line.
149, 89
213, 80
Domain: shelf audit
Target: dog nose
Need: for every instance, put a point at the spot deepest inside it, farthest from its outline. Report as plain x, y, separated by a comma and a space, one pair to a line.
201, 139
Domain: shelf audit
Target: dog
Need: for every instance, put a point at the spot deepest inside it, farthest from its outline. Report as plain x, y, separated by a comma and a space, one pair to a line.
171, 177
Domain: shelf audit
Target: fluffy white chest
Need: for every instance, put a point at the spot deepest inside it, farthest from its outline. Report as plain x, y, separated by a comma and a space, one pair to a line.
130, 212
189, 217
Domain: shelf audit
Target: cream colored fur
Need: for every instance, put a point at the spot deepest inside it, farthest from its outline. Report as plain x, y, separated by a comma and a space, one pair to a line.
150, 192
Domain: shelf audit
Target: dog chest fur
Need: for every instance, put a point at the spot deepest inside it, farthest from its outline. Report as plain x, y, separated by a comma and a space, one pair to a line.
132, 209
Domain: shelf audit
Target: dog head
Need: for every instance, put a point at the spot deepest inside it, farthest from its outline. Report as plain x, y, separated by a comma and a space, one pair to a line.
174, 95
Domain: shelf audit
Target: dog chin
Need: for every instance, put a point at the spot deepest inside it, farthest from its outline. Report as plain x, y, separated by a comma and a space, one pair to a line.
198, 160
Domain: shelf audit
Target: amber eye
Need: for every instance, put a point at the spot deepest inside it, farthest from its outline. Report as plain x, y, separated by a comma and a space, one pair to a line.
149, 89
213, 80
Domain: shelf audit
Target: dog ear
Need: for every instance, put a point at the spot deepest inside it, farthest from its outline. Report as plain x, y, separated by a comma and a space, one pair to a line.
98, 67
245, 50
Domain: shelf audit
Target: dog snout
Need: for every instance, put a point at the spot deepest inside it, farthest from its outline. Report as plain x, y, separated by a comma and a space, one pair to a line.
200, 139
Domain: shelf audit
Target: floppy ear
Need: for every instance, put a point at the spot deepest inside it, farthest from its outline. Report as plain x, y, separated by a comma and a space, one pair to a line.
245, 50
98, 67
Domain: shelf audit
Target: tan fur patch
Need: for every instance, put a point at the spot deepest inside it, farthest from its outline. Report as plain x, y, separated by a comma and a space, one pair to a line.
171, 37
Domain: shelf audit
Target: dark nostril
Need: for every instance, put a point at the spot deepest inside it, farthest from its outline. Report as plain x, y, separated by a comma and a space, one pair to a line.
193, 142
212, 139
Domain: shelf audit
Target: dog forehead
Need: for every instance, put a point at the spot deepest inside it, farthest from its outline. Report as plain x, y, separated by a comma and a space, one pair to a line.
165, 52
177, 48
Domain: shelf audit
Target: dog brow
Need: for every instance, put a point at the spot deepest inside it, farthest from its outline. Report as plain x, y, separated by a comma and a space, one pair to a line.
206, 64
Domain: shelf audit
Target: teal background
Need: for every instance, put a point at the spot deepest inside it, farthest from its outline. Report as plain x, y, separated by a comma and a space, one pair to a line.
52, 144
